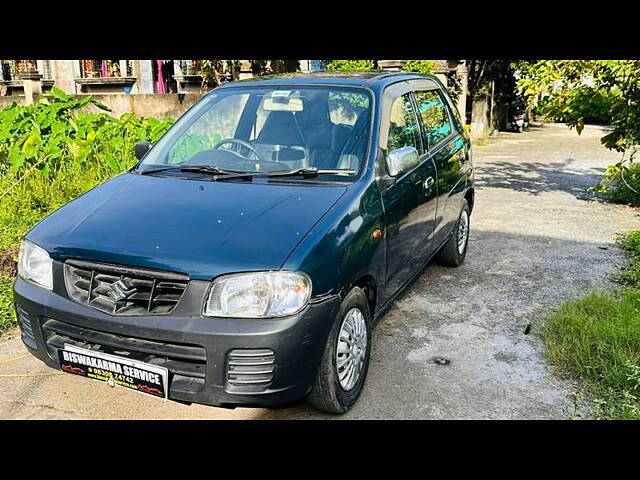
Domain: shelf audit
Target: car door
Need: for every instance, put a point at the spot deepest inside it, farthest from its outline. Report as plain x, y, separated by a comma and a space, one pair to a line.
409, 198
446, 146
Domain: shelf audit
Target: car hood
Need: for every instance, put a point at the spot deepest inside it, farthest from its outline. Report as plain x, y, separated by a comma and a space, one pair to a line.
200, 228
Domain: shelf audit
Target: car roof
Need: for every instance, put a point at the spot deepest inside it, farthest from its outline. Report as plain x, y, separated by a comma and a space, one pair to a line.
371, 79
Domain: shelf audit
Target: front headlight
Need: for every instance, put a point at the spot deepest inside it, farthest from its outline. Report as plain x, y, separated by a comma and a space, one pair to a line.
258, 295
34, 265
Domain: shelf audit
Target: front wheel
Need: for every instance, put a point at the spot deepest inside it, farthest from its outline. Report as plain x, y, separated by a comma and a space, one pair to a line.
345, 360
453, 252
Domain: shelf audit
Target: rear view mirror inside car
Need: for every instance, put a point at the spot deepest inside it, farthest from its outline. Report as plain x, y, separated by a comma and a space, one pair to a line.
282, 104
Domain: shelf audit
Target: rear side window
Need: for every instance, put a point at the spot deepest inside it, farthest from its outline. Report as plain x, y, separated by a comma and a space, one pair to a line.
434, 115
403, 128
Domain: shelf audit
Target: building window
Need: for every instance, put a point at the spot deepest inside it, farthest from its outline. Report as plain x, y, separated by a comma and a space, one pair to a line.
188, 67
12, 69
105, 68
44, 68
317, 65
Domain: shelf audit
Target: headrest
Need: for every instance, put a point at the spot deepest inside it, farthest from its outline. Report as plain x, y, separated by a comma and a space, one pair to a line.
280, 129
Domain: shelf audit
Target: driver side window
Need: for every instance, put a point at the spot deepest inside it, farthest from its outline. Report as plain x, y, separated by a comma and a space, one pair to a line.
213, 126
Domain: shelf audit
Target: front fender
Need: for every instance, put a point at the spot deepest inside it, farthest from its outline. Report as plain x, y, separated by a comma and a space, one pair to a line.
341, 248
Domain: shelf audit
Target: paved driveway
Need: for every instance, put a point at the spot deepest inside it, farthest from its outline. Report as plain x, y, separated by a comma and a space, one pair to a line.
537, 238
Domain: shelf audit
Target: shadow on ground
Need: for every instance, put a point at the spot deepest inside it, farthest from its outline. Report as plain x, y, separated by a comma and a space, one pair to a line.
535, 178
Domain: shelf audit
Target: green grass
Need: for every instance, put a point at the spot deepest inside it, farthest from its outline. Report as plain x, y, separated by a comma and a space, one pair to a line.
7, 316
596, 341
25, 206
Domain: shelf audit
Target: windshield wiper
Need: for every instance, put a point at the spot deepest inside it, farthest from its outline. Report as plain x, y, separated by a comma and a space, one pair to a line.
312, 172
231, 174
304, 172
210, 169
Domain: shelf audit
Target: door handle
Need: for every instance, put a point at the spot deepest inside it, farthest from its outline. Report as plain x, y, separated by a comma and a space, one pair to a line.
428, 183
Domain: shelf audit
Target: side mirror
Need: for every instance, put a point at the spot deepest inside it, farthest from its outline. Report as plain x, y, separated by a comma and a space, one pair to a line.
401, 160
141, 149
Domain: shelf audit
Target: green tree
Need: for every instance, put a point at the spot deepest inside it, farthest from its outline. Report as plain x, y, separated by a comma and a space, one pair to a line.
426, 67
481, 75
351, 65
569, 87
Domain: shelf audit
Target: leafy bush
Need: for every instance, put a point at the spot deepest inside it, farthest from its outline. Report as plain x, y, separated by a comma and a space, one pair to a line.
425, 67
621, 183
630, 243
351, 65
596, 339
585, 103
52, 152
55, 131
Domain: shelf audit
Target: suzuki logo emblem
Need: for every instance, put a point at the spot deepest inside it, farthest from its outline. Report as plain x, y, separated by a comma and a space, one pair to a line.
120, 290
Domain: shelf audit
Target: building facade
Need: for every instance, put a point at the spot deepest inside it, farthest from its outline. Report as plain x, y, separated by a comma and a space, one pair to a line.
117, 76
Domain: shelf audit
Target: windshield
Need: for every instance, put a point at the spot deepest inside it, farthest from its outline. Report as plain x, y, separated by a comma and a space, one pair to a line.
270, 129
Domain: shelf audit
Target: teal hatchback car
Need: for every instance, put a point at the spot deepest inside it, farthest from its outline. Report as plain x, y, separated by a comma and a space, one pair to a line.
245, 259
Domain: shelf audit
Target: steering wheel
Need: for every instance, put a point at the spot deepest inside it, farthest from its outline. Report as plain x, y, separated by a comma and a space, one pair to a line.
242, 143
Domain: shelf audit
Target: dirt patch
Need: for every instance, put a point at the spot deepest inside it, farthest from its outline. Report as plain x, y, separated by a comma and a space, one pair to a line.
9, 261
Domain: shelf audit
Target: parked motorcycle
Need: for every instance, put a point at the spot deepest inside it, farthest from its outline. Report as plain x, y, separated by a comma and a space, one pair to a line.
518, 119
519, 122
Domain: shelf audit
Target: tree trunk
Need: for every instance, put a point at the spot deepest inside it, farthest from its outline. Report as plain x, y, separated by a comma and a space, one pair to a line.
480, 109
464, 91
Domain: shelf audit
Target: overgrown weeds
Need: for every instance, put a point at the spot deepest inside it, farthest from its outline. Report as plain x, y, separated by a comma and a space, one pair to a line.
596, 340
50, 153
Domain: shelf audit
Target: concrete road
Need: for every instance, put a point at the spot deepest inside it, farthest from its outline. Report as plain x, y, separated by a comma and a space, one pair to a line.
537, 238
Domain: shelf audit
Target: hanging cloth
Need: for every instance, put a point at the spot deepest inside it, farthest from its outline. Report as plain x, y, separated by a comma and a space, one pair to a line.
161, 89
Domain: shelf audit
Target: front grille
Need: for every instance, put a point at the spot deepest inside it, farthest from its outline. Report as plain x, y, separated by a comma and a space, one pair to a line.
186, 363
250, 367
26, 328
120, 290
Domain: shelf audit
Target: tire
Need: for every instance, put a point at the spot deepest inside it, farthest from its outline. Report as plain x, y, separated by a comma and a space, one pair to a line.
328, 393
450, 255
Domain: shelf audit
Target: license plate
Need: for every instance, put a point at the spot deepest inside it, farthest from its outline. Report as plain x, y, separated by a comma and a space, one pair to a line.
116, 371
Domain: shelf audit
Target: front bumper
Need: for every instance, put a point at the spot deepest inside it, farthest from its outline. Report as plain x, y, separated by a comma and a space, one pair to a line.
297, 342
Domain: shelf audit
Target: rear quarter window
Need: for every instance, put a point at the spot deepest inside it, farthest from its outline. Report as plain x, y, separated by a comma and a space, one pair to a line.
434, 115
